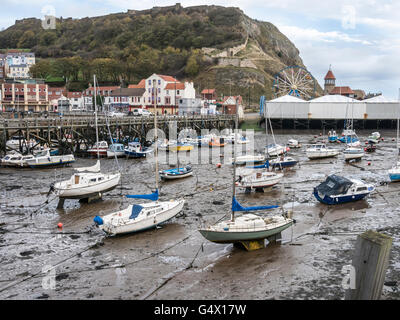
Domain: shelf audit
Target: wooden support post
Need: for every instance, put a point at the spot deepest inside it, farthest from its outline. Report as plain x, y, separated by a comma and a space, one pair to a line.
370, 261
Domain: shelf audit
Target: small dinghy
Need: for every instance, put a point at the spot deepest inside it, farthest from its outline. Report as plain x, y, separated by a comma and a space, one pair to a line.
374, 138
370, 148
337, 189
176, 173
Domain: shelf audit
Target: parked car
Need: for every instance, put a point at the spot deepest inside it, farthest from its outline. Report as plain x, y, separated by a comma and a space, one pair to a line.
141, 112
116, 114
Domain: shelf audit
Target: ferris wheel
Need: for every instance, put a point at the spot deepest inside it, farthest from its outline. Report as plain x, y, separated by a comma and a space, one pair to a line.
295, 81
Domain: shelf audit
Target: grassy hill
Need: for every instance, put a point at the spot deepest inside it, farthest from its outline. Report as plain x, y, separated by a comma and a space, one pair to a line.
214, 46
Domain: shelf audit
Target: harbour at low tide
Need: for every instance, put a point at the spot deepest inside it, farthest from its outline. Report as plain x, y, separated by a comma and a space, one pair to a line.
175, 261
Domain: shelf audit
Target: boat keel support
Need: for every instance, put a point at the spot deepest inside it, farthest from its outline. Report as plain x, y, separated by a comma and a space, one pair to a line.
94, 198
258, 244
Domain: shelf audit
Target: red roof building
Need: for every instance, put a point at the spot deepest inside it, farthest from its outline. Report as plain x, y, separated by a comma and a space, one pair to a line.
209, 94
344, 91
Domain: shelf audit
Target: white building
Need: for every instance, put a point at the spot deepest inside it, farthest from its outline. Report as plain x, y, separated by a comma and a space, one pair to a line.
169, 92
17, 64
332, 107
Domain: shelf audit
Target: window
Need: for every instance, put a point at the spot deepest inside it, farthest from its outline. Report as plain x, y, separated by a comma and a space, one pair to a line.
159, 82
177, 91
150, 82
159, 90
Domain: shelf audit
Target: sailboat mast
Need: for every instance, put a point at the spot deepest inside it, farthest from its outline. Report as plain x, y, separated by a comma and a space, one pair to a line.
95, 117
397, 138
234, 158
155, 129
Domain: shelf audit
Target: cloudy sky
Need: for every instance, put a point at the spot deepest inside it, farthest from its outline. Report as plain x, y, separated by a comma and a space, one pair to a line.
359, 38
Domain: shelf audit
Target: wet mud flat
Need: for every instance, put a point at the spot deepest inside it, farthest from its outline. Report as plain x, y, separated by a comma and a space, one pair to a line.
39, 261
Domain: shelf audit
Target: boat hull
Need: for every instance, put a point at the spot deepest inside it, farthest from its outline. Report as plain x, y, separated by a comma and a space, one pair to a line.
394, 177
233, 237
339, 199
144, 224
285, 164
175, 176
112, 154
321, 155
89, 191
49, 162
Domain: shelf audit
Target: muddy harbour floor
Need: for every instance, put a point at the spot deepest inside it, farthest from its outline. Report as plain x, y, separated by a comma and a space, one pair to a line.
175, 261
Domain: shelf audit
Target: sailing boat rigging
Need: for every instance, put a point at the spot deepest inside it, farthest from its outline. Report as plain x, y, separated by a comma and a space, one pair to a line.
249, 226
87, 182
143, 216
353, 150
394, 173
259, 179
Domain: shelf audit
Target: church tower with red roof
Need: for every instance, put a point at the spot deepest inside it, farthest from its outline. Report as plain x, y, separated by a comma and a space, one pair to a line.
329, 82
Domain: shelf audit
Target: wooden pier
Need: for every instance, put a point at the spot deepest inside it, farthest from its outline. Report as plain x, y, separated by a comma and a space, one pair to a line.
72, 132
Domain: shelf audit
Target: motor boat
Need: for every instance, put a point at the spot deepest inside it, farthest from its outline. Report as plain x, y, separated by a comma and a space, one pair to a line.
100, 148
116, 150
180, 146
16, 160
135, 150
43, 159
374, 138
316, 151
337, 189
217, 142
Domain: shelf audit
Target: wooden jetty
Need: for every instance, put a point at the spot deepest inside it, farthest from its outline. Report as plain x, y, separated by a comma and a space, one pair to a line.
72, 132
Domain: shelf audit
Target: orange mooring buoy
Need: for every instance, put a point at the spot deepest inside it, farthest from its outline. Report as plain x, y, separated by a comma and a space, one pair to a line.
219, 165
369, 163
59, 225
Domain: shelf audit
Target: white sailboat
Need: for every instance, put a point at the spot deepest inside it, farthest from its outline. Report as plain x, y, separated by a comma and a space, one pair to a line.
262, 177
143, 216
246, 228
87, 182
